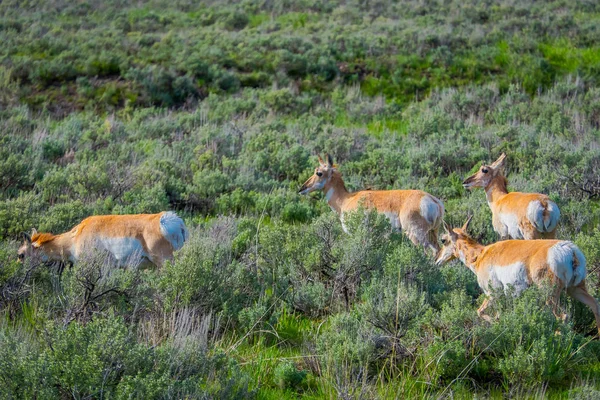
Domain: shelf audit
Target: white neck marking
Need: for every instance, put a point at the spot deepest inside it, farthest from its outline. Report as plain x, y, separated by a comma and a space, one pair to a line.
329, 194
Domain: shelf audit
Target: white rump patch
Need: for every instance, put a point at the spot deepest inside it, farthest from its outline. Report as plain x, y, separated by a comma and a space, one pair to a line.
553, 216
535, 214
173, 229
432, 210
567, 262
504, 277
511, 222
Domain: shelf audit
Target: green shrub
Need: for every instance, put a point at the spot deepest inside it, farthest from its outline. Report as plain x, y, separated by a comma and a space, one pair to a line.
528, 344
236, 20
205, 274
287, 376
104, 357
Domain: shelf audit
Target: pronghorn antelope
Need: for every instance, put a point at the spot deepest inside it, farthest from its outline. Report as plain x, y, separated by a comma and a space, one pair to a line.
417, 213
151, 237
519, 264
515, 215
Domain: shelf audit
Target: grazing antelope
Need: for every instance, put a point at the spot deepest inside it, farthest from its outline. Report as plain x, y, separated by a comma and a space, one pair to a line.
153, 237
515, 215
417, 213
521, 263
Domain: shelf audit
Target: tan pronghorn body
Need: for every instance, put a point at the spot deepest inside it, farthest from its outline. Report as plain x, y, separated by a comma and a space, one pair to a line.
515, 215
518, 264
415, 212
153, 237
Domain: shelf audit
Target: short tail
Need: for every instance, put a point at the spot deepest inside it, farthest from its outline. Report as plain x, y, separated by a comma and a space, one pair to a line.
173, 229
544, 217
579, 266
567, 263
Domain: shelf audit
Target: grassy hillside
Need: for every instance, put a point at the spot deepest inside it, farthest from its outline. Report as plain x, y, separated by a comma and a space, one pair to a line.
217, 111
80, 55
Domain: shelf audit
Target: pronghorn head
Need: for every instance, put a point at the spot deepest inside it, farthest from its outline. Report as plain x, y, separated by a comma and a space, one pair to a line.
451, 248
32, 247
321, 176
486, 173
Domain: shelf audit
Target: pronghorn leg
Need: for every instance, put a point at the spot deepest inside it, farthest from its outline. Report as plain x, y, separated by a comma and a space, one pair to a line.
433, 241
530, 233
554, 302
528, 236
580, 293
157, 260
432, 248
481, 309
500, 228
421, 239
61, 268
430, 245
413, 238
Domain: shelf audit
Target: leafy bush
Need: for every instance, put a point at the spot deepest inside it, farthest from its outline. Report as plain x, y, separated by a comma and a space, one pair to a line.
206, 275
288, 376
104, 357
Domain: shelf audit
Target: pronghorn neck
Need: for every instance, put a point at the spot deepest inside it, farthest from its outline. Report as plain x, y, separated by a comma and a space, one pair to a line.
469, 251
496, 189
57, 247
335, 192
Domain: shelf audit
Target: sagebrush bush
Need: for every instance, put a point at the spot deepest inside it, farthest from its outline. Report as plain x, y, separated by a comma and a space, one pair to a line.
528, 344
103, 358
206, 274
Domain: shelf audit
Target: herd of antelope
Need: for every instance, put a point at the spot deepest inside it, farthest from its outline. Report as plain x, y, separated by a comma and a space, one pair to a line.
509, 265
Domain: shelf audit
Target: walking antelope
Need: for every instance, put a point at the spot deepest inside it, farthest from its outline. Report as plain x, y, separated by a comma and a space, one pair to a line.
515, 215
521, 263
153, 237
418, 213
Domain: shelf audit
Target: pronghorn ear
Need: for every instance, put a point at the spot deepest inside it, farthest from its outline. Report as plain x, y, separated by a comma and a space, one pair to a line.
449, 231
321, 160
26, 237
466, 225
500, 162
329, 161
33, 231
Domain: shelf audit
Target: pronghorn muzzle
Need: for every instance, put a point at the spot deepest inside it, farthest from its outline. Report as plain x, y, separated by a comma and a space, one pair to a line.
439, 259
303, 189
467, 183
308, 186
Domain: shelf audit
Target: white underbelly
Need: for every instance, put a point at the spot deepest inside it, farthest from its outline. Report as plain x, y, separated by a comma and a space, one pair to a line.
505, 277
123, 249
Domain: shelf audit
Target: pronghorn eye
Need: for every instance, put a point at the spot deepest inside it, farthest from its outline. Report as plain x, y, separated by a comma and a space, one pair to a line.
319, 174
443, 241
21, 256
484, 170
